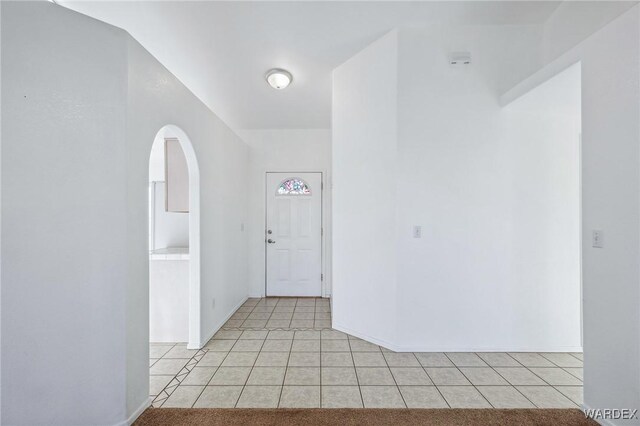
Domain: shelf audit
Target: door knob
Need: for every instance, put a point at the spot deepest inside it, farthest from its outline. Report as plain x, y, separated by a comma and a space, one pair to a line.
270, 241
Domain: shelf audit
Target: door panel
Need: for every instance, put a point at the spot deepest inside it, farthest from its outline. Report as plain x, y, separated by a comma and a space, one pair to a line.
294, 226
283, 217
283, 265
304, 218
304, 259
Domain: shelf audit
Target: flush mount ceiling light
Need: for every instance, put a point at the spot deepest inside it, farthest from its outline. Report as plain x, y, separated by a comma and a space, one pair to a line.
278, 78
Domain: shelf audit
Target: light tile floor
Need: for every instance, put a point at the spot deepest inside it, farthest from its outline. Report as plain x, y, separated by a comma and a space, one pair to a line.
282, 353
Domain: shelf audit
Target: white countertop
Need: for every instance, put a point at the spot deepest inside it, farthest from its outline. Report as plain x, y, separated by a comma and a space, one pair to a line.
170, 253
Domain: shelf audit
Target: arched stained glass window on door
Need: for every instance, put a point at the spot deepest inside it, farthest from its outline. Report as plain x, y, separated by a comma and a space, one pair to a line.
293, 186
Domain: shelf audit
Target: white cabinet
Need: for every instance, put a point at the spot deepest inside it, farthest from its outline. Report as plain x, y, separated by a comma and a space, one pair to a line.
176, 177
169, 295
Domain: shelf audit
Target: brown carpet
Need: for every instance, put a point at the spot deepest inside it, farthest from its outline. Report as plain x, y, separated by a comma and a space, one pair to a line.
368, 417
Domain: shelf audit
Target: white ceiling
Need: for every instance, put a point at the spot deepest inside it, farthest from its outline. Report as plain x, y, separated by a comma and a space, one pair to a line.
221, 50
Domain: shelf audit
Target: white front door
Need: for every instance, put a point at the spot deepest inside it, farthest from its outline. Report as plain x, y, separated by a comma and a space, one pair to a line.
293, 234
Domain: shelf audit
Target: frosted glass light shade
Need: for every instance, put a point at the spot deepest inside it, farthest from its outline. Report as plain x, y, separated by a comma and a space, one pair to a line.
279, 79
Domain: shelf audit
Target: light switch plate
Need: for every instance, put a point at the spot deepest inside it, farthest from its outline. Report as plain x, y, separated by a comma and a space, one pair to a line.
597, 239
417, 231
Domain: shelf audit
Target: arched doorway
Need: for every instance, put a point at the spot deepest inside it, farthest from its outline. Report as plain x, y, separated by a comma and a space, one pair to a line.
167, 136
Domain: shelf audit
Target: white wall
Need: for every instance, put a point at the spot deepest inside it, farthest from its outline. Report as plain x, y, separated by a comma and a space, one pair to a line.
468, 149
156, 159
544, 127
495, 191
610, 61
156, 97
84, 101
284, 150
62, 297
364, 138
571, 22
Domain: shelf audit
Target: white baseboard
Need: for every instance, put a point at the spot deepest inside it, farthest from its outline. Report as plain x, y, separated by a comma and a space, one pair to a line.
217, 327
132, 418
423, 348
427, 348
362, 336
260, 296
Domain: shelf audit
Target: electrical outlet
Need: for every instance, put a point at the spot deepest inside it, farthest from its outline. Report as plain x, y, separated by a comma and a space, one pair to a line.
597, 239
417, 231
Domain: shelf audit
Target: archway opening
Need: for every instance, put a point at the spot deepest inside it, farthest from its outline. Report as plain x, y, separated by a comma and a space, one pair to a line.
174, 247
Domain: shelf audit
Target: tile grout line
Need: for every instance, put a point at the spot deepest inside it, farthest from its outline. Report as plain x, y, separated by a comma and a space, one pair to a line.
533, 372
356, 370
225, 357
291, 317
567, 396
546, 382
252, 367
472, 384
270, 315
432, 381
505, 379
556, 364
205, 386
175, 376
573, 355
286, 367
252, 310
217, 368
565, 369
536, 375
315, 302
394, 378
424, 368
